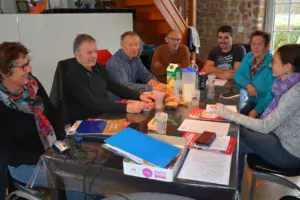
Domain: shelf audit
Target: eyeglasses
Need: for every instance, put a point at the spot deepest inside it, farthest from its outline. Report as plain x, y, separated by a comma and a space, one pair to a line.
23, 66
257, 44
175, 39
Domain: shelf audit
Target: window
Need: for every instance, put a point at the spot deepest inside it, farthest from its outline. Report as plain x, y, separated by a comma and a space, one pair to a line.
283, 22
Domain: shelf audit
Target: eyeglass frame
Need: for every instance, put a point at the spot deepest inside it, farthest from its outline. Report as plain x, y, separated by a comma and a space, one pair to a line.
175, 39
21, 66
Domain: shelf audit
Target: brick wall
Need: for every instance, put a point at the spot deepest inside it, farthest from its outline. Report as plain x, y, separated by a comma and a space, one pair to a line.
244, 16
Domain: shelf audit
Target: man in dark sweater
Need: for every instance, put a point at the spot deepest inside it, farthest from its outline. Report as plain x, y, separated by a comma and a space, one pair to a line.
87, 84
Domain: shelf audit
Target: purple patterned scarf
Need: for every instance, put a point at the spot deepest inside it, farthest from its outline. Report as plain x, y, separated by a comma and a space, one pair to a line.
278, 89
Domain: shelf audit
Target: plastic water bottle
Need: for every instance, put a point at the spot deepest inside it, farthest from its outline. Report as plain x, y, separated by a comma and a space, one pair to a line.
211, 86
194, 66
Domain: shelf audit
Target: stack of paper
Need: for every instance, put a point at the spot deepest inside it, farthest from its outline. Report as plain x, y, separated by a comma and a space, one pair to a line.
206, 166
224, 144
221, 129
219, 144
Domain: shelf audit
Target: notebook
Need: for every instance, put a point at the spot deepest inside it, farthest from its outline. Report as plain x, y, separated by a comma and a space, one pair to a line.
87, 127
91, 127
98, 127
150, 149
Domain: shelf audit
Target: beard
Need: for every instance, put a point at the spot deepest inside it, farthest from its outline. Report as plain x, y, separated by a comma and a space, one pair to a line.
224, 45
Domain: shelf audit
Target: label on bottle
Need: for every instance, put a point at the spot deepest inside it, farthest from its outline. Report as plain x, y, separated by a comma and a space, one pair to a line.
202, 81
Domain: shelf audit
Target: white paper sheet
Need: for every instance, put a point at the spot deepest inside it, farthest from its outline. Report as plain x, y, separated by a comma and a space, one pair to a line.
220, 144
206, 167
230, 107
220, 82
221, 129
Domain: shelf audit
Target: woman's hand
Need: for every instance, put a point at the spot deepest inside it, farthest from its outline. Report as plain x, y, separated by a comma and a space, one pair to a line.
251, 90
212, 109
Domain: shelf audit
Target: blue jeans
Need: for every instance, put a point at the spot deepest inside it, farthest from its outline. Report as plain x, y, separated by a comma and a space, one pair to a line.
23, 174
247, 108
266, 146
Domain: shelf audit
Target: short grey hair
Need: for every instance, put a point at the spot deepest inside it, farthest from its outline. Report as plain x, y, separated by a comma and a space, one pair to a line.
128, 33
81, 38
171, 31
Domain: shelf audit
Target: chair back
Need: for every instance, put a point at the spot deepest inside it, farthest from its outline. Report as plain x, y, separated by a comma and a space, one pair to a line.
247, 47
103, 55
146, 58
58, 93
266, 171
17, 189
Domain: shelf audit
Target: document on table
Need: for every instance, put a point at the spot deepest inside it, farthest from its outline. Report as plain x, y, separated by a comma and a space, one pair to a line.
189, 125
206, 166
219, 144
220, 82
230, 107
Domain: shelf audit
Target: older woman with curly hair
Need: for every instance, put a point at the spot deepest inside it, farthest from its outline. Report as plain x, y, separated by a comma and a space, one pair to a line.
29, 123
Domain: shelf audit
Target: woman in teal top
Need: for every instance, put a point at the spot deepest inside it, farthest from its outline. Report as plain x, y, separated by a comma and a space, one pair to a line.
255, 75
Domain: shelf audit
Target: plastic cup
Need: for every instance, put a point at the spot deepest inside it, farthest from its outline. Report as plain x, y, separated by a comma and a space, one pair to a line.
178, 88
159, 97
211, 80
211, 92
196, 97
161, 122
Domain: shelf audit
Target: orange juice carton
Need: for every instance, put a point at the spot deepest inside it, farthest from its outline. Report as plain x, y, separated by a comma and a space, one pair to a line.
173, 71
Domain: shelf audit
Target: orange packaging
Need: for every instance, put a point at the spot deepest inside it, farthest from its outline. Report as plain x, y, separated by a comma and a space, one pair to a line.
172, 71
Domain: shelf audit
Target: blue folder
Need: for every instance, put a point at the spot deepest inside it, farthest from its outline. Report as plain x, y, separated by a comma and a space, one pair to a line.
91, 127
150, 149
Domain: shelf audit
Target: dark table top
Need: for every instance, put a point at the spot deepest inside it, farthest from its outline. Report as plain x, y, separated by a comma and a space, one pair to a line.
106, 172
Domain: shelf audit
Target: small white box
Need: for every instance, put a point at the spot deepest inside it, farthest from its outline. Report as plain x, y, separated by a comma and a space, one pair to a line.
157, 173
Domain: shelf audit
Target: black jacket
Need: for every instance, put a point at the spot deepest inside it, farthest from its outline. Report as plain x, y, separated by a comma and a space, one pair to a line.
86, 92
58, 91
20, 142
